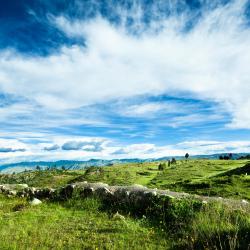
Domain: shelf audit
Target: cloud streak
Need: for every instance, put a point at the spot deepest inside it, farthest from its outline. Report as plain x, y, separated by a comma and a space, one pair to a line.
11, 150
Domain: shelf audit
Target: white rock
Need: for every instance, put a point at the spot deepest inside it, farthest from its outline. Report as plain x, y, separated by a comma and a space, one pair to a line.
12, 192
35, 202
169, 196
118, 216
154, 193
244, 201
23, 185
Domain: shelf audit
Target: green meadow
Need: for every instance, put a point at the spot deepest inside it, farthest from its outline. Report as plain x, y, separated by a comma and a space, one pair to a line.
88, 224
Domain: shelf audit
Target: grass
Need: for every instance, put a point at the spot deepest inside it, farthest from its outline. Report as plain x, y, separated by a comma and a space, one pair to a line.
88, 224
203, 177
72, 225
47, 178
170, 224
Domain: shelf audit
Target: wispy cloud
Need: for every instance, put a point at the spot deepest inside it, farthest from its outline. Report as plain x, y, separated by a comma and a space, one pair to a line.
151, 63
11, 150
112, 82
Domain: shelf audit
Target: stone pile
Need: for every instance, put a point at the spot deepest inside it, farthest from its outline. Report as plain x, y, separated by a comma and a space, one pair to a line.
136, 196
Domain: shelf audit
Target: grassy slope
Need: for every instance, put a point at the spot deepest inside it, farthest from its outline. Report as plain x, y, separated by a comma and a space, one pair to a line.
193, 176
82, 224
71, 226
206, 177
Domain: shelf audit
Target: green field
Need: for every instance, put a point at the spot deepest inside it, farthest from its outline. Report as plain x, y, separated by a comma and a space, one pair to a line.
87, 224
205, 177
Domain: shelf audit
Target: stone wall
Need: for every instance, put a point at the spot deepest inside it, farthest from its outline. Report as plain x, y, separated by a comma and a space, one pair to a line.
136, 196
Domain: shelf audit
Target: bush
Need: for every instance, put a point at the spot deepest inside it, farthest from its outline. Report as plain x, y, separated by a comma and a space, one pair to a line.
162, 166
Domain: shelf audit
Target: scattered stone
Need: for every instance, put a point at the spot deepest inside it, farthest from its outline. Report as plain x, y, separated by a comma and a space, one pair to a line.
35, 202
23, 185
12, 192
118, 216
170, 196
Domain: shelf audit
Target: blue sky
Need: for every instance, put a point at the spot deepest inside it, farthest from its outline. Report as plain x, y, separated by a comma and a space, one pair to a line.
116, 79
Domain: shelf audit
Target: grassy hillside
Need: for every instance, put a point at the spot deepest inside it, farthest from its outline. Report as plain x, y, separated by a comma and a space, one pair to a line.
206, 177
71, 226
88, 224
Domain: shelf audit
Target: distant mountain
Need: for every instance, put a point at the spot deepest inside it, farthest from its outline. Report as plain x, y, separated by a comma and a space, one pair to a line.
70, 164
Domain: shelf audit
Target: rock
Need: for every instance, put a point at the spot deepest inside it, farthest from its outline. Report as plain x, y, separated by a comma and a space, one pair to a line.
154, 193
104, 192
244, 202
35, 202
88, 191
66, 192
12, 192
170, 196
138, 187
118, 216
23, 185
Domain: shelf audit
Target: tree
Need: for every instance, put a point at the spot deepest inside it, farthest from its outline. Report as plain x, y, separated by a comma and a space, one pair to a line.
173, 161
186, 155
230, 155
38, 168
162, 166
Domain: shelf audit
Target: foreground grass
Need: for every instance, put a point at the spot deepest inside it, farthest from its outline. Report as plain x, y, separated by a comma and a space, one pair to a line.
71, 225
88, 224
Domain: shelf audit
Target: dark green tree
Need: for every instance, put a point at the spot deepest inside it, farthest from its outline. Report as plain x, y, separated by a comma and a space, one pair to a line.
186, 155
162, 166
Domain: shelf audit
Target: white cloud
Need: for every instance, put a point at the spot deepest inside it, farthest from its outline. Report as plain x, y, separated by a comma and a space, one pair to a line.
210, 147
137, 149
151, 109
90, 146
211, 62
111, 150
191, 119
51, 147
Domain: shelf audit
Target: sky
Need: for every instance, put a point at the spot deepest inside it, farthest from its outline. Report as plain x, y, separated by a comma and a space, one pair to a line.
123, 79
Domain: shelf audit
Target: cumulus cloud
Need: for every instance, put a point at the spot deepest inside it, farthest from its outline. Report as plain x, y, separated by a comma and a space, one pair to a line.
73, 145
90, 146
51, 148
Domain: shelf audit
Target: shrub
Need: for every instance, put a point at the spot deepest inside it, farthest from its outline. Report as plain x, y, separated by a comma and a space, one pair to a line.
162, 166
